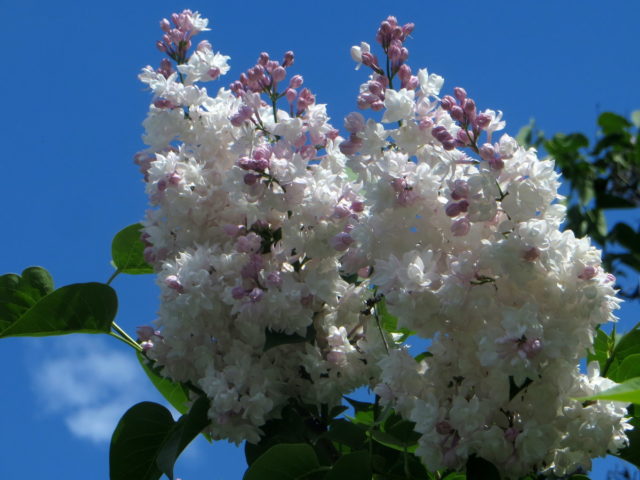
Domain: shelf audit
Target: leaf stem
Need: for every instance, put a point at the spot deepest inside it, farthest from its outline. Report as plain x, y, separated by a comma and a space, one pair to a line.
113, 275
124, 340
124, 336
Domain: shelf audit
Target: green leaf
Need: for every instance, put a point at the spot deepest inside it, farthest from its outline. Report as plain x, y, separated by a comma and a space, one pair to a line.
364, 411
147, 441
77, 308
292, 461
525, 134
402, 430
628, 391
423, 356
388, 440
389, 323
353, 466
632, 453
275, 338
480, 469
127, 251
626, 236
136, 441
347, 433
19, 293
182, 433
629, 344
612, 123
635, 118
351, 175
628, 368
175, 393
601, 350
291, 428
579, 476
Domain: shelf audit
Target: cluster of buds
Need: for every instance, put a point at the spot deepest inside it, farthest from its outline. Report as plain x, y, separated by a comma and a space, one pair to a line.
176, 40
264, 76
391, 37
463, 110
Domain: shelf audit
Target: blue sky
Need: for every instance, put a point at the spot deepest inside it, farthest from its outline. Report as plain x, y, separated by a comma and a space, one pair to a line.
73, 111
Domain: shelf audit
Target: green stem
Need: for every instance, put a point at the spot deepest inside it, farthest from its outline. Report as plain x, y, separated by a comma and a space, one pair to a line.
124, 340
384, 339
113, 275
125, 336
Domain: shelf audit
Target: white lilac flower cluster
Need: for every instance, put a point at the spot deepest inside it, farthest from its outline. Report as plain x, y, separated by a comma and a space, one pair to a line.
246, 236
256, 227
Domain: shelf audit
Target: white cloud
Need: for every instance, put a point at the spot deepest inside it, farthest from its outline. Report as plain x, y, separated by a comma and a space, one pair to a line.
90, 383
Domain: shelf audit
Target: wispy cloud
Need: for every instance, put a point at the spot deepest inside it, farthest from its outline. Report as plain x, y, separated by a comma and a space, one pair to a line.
89, 383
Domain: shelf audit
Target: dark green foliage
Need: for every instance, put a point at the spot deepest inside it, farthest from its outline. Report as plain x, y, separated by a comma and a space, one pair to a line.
147, 441
29, 306
601, 177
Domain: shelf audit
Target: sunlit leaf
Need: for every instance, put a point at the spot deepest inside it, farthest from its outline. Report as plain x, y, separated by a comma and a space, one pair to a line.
127, 251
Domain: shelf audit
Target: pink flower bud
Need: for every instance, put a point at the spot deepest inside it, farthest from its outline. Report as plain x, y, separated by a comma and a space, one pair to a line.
296, 81
357, 206
290, 94
174, 179
354, 122
341, 211
460, 227
469, 106
341, 241
263, 59
214, 73
278, 74
351, 146
457, 113
531, 254
588, 273
256, 295
173, 283
452, 210
251, 179
145, 332
288, 59
368, 59
233, 230
238, 293
460, 93
459, 190
496, 163
444, 428
487, 151
482, 121
447, 102
163, 103
165, 25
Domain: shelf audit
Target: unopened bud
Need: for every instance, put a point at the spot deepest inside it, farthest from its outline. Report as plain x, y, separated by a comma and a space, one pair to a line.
460, 93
